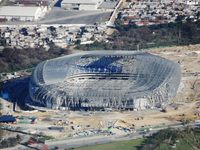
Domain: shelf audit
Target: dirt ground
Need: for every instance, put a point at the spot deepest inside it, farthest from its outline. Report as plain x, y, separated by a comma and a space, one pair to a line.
189, 59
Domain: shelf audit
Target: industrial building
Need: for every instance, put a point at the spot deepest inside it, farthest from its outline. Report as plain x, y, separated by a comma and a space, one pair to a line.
22, 13
81, 4
105, 79
33, 2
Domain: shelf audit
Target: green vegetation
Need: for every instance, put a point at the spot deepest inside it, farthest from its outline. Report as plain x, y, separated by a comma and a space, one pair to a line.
45, 137
10, 142
12, 59
6, 3
122, 145
0, 107
167, 139
1, 133
132, 37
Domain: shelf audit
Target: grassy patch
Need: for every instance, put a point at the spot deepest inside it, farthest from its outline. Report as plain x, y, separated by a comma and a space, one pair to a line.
167, 139
183, 145
122, 145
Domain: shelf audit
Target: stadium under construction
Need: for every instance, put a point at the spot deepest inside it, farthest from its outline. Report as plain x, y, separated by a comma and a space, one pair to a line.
96, 80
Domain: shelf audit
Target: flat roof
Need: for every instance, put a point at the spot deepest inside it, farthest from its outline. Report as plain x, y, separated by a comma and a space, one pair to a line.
34, 2
80, 1
17, 11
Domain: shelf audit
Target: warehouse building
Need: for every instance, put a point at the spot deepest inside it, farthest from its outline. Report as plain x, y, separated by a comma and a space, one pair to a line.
81, 4
33, 2
20, 13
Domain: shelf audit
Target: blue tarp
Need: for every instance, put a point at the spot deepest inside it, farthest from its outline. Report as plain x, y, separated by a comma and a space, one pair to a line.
7, 118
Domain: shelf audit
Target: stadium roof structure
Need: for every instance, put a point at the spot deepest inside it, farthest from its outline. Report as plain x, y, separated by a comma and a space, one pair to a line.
105, 79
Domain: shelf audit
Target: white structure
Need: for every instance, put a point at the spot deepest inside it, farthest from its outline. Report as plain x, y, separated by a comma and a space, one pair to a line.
188, 2
192, 2
22, 13
105, 79
81, 4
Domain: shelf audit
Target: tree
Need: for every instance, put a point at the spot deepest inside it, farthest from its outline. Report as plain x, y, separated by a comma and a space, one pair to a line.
119, 24
179, 21
78, 42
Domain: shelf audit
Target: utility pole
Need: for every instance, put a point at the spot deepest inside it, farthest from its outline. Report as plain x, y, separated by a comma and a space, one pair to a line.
138, 47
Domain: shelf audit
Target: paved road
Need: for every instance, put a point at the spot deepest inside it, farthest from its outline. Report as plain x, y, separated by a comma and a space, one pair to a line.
59, 16
111, 22
78, 142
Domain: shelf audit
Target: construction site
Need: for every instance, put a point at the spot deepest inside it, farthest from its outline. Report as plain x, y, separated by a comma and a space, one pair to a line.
73, 125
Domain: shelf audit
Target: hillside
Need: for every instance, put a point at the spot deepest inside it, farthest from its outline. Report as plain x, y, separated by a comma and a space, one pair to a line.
132, 37
16, 59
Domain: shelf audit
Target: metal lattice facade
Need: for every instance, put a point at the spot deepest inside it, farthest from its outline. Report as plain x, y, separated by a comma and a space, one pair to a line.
105, 79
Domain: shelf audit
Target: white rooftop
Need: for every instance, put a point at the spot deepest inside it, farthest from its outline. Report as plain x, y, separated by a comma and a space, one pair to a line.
81, 1
17, 11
